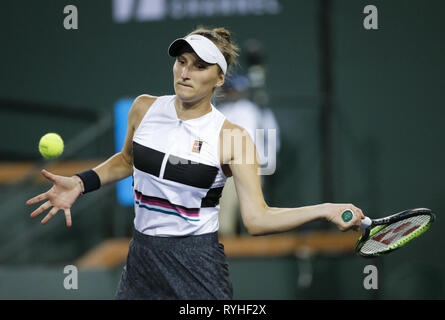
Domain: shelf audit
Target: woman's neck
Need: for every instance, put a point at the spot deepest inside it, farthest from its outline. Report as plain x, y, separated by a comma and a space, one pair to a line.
191, 110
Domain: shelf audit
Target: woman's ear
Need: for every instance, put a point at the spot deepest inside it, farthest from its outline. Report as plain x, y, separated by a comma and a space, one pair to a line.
221, 79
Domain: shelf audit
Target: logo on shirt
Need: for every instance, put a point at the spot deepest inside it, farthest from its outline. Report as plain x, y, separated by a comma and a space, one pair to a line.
197, 146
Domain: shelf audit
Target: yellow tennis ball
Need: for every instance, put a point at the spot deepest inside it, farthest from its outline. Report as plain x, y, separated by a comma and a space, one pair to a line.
51, 145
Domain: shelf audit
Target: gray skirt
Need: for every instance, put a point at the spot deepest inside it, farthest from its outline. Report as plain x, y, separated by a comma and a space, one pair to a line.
189, 267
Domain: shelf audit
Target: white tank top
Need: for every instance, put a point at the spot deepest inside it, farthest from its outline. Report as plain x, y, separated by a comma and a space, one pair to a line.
177, 177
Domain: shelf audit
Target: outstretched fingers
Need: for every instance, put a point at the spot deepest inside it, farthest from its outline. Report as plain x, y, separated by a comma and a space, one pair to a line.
68, 217
40, 209
40, 197
50, 214
48, 175
43, 196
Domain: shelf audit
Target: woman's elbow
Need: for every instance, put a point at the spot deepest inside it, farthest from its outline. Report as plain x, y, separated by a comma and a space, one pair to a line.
255, 231
127, 160
256, 225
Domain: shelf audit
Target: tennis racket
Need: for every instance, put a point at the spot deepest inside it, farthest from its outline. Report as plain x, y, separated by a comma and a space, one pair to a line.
387, 234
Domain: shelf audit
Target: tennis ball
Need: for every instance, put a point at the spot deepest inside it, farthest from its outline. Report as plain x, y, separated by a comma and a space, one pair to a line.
51, 145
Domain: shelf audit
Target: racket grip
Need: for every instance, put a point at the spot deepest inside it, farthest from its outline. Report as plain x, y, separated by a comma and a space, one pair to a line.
366, 222
348, 214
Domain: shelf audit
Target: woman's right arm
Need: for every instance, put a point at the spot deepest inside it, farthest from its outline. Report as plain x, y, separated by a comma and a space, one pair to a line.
66, 190
120, 165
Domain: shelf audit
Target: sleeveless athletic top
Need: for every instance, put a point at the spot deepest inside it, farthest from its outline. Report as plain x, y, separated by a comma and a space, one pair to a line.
177, 177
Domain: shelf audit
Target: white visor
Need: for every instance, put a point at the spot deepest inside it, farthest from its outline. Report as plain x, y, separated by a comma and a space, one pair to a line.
203, 47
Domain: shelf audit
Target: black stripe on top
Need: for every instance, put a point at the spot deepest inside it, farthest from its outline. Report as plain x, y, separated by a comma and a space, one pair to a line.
147, 159
177, 169
190, 173
212, 198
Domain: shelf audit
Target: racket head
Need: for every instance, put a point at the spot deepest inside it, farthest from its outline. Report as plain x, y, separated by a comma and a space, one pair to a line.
387, 234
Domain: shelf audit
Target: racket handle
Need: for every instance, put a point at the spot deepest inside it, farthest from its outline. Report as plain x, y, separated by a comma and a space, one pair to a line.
366, 222
348, 214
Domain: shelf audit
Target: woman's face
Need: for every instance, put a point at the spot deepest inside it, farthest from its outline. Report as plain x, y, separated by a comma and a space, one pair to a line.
195, 79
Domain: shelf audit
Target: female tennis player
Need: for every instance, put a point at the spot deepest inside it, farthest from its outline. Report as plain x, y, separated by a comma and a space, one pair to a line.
178, 152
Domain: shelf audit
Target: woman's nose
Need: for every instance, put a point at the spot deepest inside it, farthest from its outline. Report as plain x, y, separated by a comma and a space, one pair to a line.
184, 73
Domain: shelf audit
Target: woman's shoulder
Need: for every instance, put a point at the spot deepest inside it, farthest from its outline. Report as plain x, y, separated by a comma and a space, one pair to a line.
229, 134
144, 100
235, 130
140, 106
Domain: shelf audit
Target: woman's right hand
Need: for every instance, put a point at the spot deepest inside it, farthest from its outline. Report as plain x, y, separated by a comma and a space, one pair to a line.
333, 212
61, 196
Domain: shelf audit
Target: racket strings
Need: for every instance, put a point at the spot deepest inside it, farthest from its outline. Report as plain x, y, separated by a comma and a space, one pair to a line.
396, 234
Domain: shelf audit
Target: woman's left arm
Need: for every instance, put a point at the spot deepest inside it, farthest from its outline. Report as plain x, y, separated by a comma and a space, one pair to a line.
258, 217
